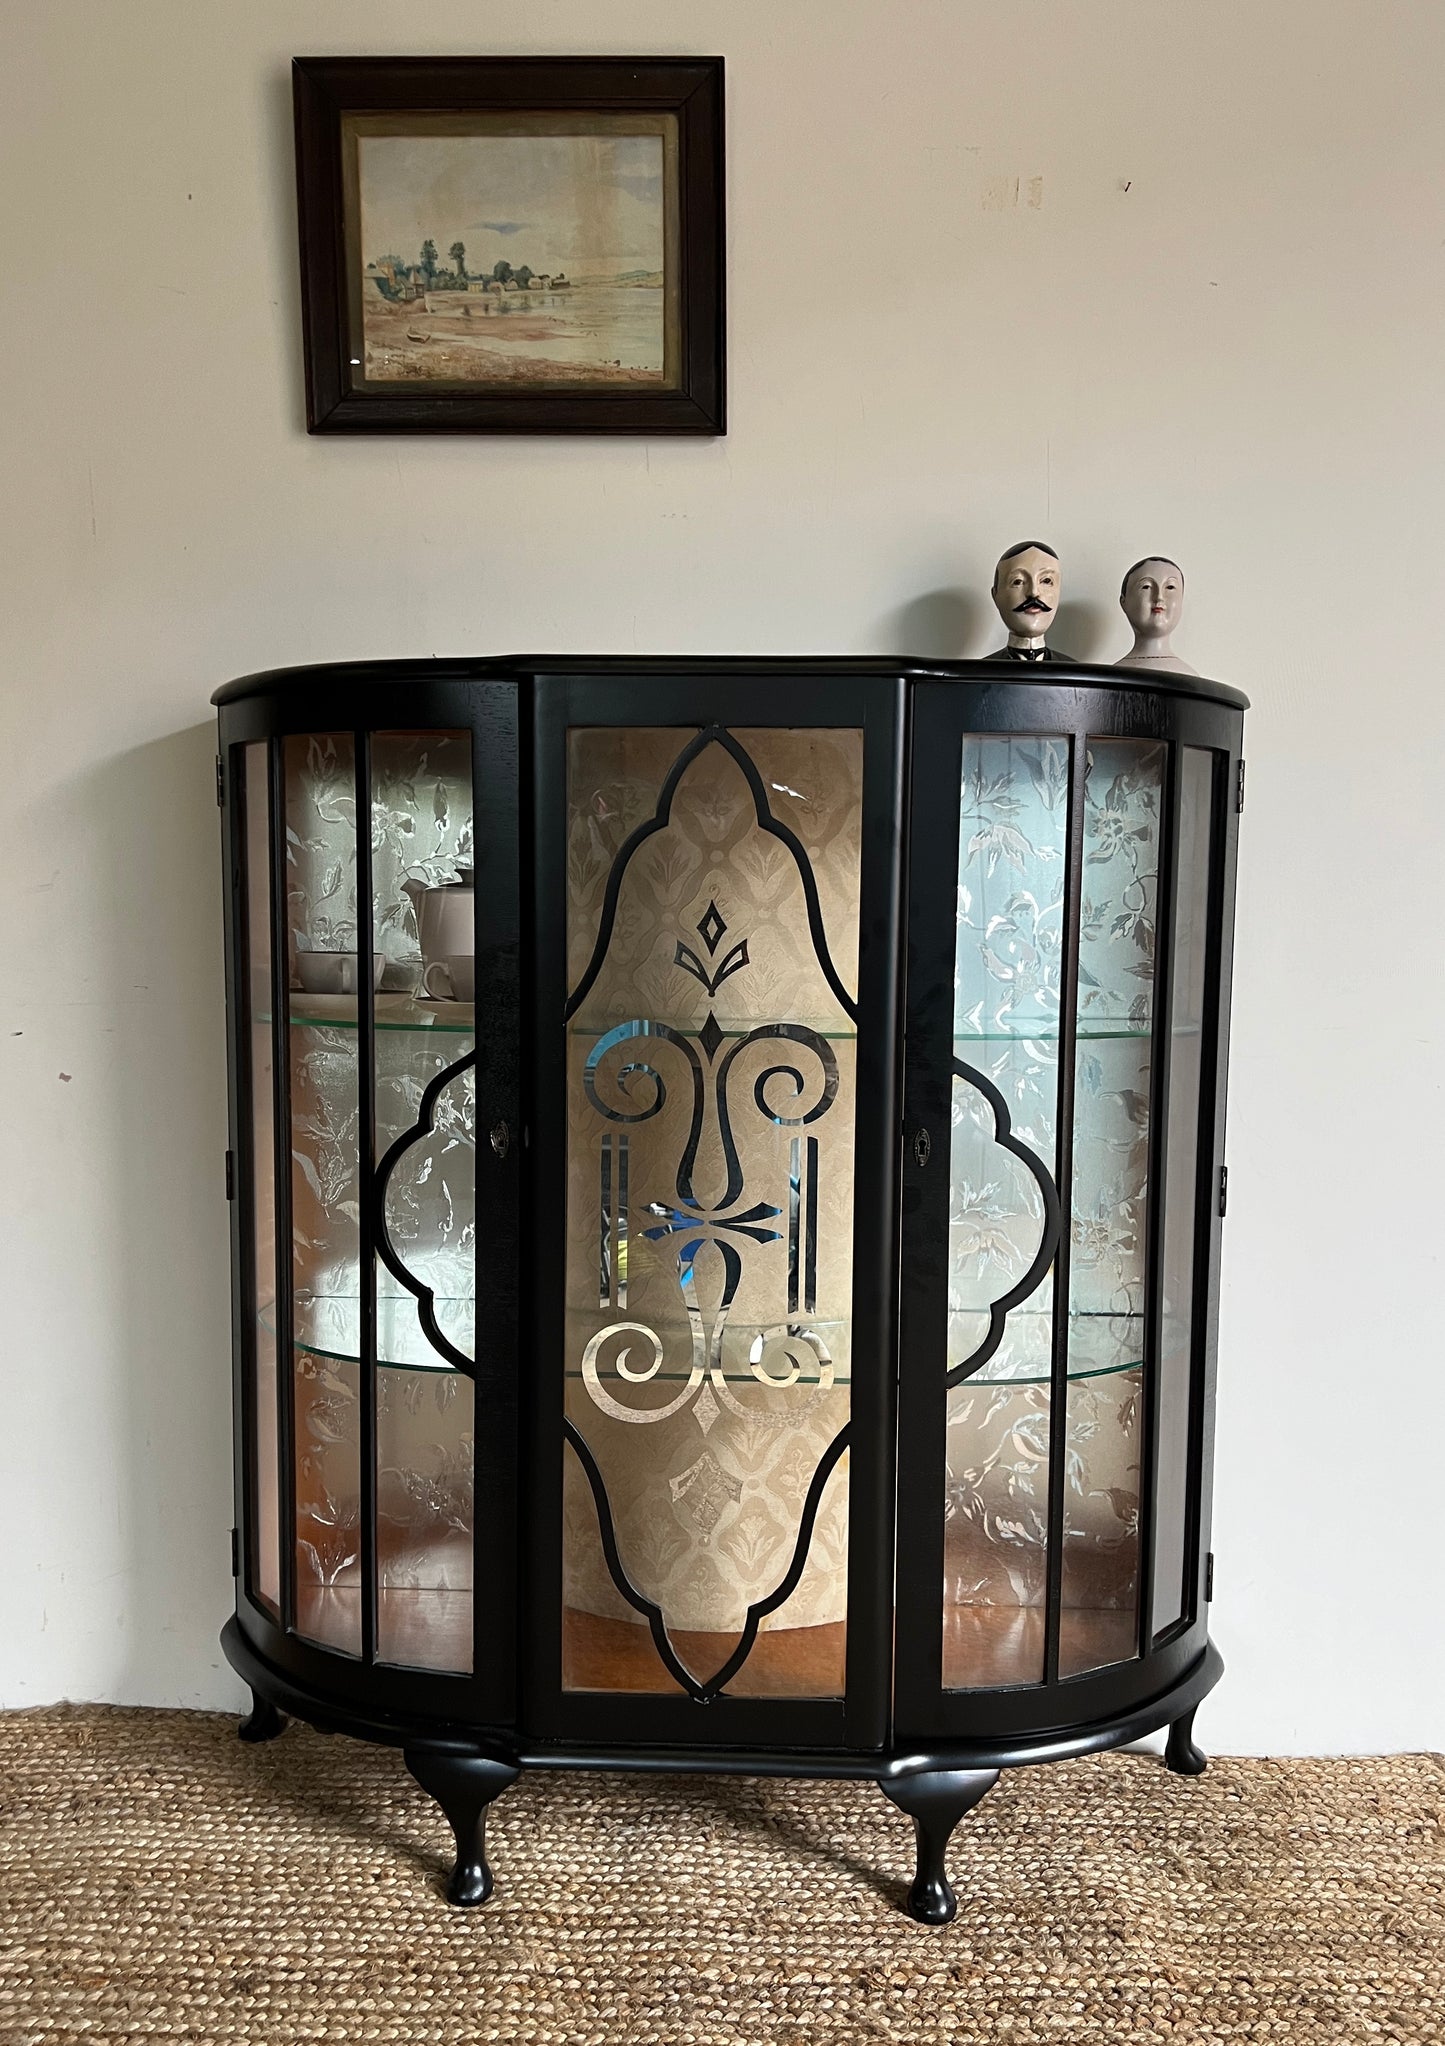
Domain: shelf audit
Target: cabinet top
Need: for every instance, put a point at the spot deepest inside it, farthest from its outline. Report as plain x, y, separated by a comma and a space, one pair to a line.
528, 667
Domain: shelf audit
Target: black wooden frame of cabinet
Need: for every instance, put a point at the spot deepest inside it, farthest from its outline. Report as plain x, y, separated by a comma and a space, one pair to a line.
942, 715
932, 1750
875, 704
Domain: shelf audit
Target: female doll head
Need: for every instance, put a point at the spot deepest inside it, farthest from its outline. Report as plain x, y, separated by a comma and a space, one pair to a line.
1151, 597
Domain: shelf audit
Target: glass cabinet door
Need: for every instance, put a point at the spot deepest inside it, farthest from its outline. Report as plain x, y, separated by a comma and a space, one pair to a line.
709, 1064
360, 1172
1058, 1051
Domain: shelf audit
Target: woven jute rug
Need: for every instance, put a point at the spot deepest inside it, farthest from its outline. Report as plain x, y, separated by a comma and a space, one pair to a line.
160, 1881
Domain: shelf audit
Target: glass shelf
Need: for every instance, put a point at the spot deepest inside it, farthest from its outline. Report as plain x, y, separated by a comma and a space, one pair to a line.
1099, 1346
688, 1026
393, 1012
329, 1325
1091, 1030
676, 1339
420, 1012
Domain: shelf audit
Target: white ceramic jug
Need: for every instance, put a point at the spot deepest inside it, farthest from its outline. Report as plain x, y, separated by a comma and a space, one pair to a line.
444, 917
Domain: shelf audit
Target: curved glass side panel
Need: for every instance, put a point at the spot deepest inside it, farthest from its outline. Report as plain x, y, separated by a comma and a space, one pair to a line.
325, 1169
1012, 855
382, 1075
425, 1094
426, 1407
712, 928
263, 1420
1189, 980
1108, 1268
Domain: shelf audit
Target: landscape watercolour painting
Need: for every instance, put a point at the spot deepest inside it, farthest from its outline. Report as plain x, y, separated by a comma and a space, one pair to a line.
508, 250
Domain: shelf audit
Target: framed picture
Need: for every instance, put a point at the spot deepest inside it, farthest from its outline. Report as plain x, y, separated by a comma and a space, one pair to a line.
511, 244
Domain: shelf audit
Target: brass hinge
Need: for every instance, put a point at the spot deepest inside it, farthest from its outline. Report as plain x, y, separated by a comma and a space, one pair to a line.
1239, 788
1209, 1577
230, 1175
235, 1552
1223, 1188
220, 782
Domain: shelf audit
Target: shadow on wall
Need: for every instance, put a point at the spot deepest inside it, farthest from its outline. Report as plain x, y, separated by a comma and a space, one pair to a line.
941, 625
154, 816
1083, 632
955, 625
278, 172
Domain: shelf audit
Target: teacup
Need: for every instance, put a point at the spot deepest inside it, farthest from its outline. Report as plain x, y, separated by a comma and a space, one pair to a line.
335, 973
453, 979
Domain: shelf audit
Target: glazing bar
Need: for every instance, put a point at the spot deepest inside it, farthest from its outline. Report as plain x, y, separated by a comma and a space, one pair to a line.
366, 1175
1064, 1180
281, 1166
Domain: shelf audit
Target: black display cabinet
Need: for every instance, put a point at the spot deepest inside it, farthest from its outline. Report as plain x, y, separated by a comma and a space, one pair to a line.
727, 1161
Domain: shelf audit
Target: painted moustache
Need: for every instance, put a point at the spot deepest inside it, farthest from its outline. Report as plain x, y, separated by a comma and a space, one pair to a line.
1031, 604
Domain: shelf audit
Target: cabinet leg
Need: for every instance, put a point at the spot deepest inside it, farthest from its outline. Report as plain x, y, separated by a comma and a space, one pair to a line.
463, 1785
1181, 1755
263, 1722
935, 1799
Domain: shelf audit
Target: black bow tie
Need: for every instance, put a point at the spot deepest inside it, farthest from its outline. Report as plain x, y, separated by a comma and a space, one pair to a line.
1020, 653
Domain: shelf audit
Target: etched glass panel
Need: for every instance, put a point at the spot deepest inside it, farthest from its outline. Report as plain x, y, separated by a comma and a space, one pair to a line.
320, 799
1181, 1178
711, 1042
425, 1429
266, 1560
419, 956
1012, 855
426, 1141
1109, 1238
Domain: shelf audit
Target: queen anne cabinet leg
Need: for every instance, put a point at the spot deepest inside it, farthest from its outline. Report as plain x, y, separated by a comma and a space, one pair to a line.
263, 1722
1181, 1755
463, 1785
935, 1799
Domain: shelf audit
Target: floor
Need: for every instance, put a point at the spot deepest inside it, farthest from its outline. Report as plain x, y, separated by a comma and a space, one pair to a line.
159, 1881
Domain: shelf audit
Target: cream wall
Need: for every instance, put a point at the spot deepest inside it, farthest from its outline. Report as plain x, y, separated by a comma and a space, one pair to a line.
1132, 274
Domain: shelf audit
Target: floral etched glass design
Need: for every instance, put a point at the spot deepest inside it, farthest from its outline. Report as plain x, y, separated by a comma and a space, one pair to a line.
425, 1431
328, 1500
320, 816
1181, 1177
1014, 836
1012, 855
422, 837
266, 1562
1109, 1242
711, 1061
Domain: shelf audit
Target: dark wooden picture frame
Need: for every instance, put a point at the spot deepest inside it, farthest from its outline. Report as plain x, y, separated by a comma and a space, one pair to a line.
681, 96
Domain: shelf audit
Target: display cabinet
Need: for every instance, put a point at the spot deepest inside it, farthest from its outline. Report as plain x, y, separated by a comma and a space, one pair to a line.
727, 1162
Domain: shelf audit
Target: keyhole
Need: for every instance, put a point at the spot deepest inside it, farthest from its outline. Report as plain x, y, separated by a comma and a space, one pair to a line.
501, 1139
922, 1146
